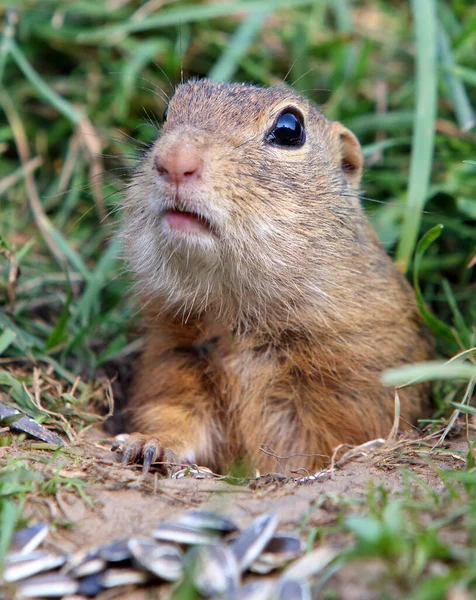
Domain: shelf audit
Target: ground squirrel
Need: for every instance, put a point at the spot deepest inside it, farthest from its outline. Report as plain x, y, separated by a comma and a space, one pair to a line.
271, 307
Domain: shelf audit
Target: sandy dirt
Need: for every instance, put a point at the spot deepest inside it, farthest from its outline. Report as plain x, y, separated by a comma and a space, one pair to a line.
126, 503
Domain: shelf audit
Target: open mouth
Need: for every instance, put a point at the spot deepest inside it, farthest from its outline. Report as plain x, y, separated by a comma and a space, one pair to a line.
187, 222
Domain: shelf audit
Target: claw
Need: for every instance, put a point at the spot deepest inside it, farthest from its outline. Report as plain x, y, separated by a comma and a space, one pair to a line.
171, 460
119, 442
150, 452
169, 455
138, 448
133, 448
127, 457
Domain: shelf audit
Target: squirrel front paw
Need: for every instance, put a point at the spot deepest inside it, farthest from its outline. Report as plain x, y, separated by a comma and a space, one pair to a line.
139, 448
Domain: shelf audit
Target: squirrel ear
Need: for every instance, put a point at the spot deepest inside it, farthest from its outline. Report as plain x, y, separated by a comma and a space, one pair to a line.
351, 157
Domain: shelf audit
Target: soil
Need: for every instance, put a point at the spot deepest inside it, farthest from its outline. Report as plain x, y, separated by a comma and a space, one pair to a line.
126, 503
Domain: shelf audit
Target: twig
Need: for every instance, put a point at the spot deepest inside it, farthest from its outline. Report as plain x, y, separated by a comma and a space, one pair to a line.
392, 436
21, 144
10, 180
92, 144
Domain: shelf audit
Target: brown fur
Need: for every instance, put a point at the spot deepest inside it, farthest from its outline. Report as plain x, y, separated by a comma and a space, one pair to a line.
276, 329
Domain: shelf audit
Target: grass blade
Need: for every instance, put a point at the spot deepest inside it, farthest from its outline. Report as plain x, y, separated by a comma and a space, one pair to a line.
424, 127
428, 371
105, 266
7, 337
393, 121
8, 33
8, 517
467, 75
23, 340
64, 107
17, 393
179, 15
343, 16
463, 331
59, 333
228, 63
139, 57
463, 110
438, 327
7, 182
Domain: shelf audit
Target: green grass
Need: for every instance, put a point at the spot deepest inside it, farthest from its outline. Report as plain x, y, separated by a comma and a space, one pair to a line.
426, 77
29, 475
421, 538
79, 83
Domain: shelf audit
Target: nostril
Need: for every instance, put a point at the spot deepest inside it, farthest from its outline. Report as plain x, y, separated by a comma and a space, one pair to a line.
159, 167
179, 164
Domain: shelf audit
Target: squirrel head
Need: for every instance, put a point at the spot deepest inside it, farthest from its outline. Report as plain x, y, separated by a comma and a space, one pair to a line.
245, 202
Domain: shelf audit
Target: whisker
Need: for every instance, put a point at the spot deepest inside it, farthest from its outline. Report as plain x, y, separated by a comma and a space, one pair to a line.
172, 87
303, 75
289, 70
157, 90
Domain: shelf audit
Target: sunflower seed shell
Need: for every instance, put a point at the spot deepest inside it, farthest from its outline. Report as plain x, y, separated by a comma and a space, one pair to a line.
117, 577
184, 534
162, 560
280, 550
252, 541
116, 551
48, 586
90, 566
31, 564
214, 570
310, 564
291, 589
254, 590
208, 521
27, 540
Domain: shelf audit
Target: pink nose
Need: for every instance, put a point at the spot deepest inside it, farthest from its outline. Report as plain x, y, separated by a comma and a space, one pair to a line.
180, 164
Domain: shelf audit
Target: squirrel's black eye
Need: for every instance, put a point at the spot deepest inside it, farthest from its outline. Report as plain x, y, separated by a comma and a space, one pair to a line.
166, 112
287, 131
